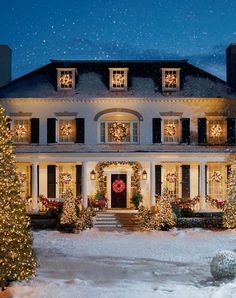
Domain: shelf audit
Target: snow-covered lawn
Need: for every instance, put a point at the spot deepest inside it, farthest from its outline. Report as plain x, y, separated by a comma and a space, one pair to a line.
128, 264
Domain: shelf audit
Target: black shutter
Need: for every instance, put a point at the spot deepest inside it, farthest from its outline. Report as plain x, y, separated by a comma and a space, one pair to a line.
78, 179
79, 130
51, 130
206, 181
51, 181
158, 179
34, 130
186, 130
231, 131
202, 132
185, 181
156, 130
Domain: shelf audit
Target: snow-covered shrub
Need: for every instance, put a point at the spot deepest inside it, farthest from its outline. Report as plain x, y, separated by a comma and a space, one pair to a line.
223, 265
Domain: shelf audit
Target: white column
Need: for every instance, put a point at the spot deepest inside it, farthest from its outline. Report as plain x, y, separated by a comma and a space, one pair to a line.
152, 184
85, 183
34, 182
202, 184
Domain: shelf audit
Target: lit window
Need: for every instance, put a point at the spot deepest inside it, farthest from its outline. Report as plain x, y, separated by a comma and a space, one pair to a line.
171, 178
171, 130
65, 78
216, 131
217, 177
170, 79
66, 130
118, 78
66, 178
119, 132
21, 131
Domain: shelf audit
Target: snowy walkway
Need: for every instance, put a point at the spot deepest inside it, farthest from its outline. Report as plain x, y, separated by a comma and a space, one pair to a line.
128, 264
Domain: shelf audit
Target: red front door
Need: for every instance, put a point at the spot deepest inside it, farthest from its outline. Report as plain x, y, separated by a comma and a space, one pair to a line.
118, 190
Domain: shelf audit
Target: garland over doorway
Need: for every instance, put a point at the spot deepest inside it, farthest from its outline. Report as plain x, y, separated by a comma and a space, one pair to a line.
135, 178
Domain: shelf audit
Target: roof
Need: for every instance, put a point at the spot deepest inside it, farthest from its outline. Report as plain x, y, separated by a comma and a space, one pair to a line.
144, 80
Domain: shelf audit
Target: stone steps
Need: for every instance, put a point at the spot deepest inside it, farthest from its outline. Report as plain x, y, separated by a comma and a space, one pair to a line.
113, 220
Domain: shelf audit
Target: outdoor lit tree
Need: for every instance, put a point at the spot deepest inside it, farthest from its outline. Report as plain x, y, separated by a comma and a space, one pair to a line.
69, 216
17, 260
229, 217
165, 215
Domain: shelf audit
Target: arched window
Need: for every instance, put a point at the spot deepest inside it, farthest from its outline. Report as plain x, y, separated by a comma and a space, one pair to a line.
118, 127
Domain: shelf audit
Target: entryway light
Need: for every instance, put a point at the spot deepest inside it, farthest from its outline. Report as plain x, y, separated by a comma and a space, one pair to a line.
93, 175
144, 175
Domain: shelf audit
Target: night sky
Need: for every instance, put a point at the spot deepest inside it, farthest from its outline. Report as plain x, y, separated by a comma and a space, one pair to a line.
37, 31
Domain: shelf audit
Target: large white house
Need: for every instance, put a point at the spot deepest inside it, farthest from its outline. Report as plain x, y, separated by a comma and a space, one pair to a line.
119, 126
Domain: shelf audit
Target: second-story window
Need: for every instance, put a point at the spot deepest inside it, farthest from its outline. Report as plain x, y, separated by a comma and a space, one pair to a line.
171, 133
170, 79
118, 78
65, 79
216, 131
21, 130
66, 130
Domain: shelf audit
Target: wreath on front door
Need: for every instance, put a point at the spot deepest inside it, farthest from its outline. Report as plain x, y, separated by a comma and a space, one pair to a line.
118, 186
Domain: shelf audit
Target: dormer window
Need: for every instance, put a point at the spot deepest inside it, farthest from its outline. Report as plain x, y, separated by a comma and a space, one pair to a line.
66, 78
118, 78
170, 79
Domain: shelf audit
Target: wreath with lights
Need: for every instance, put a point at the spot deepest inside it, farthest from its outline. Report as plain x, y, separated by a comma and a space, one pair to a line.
65, 178
171, 177
216, 130
66, 80
118, 131
216, 176
118, 186
170, 80
66, 129
20, 130
170, 130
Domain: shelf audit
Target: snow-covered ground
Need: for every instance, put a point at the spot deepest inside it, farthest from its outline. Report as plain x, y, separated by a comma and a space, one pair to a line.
128, 264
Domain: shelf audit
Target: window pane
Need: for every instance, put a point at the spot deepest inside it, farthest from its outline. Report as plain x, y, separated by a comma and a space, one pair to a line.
217, 181
66, 130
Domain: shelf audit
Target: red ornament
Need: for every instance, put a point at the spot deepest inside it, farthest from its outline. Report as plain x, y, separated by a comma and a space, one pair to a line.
118, 186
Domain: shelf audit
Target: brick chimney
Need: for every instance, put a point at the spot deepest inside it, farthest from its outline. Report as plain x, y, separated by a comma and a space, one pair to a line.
5, 65
231, 65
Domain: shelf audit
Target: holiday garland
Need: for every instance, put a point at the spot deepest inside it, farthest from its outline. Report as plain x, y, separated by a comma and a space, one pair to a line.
118, 186
50, 204
101, 178
219, 204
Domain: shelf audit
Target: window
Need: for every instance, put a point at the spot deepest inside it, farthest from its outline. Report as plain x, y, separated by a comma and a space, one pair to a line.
119, 132
21, 130
171, 178
118, 78
170, 79
65, 78
66, 129
216, 131
171, 131
217, 176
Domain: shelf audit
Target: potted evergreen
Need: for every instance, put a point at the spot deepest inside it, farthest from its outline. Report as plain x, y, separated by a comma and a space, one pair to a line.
136, 199
101, 200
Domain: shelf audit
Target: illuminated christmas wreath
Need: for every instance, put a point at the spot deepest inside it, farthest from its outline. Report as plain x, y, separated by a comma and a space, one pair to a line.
20, 130
118, 131
65, 178
216, 130
170, 80
66, 129
118, 186
216, 176
66, 80
171, 177
170, 130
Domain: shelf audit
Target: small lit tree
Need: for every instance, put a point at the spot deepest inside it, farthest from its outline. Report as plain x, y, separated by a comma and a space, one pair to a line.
165, 215
69, 216
229, 216
17, 260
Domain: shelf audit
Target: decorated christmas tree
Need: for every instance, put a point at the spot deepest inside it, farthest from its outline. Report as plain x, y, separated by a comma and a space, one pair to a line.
229, 217
165, 216
69, 216
17, 260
